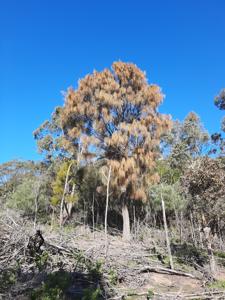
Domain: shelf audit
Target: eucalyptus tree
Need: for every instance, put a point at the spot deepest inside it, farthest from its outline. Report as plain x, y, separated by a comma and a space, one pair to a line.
113, 116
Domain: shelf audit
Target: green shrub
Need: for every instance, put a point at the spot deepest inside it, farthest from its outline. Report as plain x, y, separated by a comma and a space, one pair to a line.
41, 260
53, 288
7, 278
95, 269
92, 294
23, 198
220, 254
113, 276
150, 294
218, 284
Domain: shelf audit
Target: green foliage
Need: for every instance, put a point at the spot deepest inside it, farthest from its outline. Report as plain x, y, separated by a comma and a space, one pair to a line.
171, 196
218, 139
58, 184
49, 137
53, 288
41, 260
7, 278
94, 269
113, 276
91, 294
220, 100
88, 179
14, 173
23, 198
218, 284
219, 254
167, 174
186, 141
150, 294
189, 254
221, 257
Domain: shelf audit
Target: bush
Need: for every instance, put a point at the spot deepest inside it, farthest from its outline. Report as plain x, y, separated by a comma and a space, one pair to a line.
53, 288
23, 198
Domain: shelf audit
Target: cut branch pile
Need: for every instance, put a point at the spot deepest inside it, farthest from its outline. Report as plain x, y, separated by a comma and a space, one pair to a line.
126, 266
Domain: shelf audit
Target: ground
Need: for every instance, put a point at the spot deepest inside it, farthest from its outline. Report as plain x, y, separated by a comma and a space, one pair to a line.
88, 261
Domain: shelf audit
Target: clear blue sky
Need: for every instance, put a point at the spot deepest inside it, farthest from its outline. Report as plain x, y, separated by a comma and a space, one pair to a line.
47, 45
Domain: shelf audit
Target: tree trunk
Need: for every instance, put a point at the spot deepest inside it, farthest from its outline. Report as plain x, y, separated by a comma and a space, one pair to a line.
106, 211
208, 239
93, 213
126, 223
220, 233
52, 218
97, 216
36, 211
63, 196
166, 232
71, 204
181, 227
193, 229
134, 226
36, 204
200, 235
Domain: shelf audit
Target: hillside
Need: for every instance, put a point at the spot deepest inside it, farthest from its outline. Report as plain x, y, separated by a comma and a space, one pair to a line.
74, 263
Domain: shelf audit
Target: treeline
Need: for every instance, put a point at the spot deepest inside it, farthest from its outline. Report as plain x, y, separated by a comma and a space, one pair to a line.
109, 157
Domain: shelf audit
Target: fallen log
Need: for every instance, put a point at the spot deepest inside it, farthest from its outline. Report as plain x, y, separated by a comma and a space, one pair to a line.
172, 296
205, 295
162, 270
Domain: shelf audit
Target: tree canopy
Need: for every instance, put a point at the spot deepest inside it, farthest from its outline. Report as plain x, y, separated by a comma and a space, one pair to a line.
113, 116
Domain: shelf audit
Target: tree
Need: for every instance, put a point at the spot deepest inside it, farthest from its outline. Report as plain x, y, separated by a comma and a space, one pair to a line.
217, 138
91, 202
29, 197
64, 189
113, 116
220, 100
186, 141
203, 182
174, 202
13, 173
50, 139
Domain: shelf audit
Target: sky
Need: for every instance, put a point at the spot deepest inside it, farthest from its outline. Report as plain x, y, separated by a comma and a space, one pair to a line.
46, 46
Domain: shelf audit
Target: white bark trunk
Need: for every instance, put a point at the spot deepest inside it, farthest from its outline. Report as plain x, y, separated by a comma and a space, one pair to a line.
63, 196
52, 218
208, 239
106, 211
126, 223
93, 214
36, 204
166, 232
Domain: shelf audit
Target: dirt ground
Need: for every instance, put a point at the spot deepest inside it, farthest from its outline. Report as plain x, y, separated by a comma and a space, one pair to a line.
128, 258
131, 270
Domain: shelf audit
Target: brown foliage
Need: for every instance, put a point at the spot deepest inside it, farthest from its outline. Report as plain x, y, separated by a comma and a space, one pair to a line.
113, 114
204, 181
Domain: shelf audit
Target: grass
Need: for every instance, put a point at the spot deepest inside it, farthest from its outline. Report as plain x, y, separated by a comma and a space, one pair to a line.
218, 284
220, 254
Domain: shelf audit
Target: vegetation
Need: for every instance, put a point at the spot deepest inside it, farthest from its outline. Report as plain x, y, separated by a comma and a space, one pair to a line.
109, 152
53, 288
113, 117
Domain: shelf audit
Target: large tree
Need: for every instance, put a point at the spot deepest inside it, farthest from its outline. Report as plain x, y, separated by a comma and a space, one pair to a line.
113, 116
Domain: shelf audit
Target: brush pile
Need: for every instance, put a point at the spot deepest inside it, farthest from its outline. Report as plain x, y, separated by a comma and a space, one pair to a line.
75, 263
